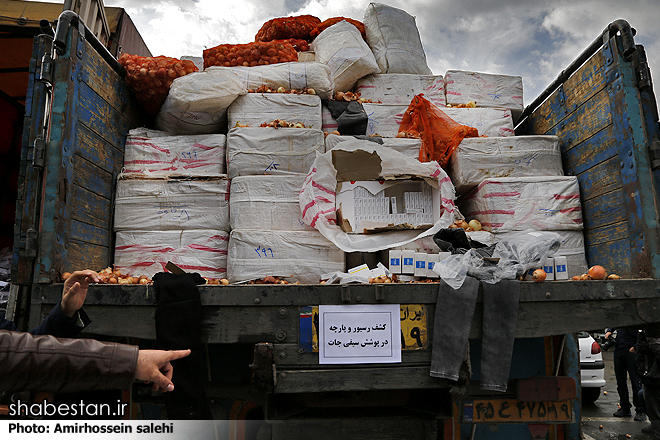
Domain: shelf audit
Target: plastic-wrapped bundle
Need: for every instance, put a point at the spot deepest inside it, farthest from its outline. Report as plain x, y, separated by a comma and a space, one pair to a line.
342, 48
399, 89
254, 109
519, 203
384, 119
298, 256
197, 103
477, 159
394, 39
298, 76
172, 204
486, 89
157, 154
267, 203
147, 252
572, 247
259, 151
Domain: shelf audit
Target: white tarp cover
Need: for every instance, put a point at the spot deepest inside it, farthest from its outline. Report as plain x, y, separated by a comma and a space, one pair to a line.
172, 204
294, 75
254, 109
384, 119
147, 252
342, 48
157, 154
486, 89
267, 203
400, 88
406, 146
298, 256
197, 103
267, 150
477, 159
317, 199
543, 203
394, 39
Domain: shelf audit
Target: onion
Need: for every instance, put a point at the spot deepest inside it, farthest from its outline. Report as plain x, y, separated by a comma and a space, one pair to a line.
475, 225
539, 275
597, 272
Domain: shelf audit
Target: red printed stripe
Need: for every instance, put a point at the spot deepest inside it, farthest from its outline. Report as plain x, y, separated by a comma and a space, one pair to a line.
568, 197
320, 213
502, 194
149, 144
309, 205
143, 248
220, 237
200, 247
316, 185
569, 210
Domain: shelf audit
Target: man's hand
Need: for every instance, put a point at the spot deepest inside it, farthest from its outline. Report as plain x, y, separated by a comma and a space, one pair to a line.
154, 366
75, 290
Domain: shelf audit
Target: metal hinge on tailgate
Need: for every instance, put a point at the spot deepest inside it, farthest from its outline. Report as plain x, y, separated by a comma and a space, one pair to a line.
654, 151
28, 246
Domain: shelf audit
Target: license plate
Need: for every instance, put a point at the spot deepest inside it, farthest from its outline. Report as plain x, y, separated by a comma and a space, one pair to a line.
517, 411
414, 333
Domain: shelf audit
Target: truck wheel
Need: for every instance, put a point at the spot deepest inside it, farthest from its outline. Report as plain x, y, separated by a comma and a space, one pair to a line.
590, 394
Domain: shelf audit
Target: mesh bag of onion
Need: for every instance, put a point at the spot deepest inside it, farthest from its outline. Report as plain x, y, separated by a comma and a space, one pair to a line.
150, 77
250, 54
282, 28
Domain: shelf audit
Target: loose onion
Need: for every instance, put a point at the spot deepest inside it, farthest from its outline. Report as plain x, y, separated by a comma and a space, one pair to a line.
539, 275
597, 272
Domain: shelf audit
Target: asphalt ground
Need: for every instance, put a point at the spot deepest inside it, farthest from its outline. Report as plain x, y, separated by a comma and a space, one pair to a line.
597, 420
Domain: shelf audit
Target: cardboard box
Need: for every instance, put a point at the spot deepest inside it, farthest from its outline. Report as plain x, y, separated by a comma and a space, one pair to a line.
431, 261
420, 264
561, 270
395, 261
387, 205
549, 268
408, 262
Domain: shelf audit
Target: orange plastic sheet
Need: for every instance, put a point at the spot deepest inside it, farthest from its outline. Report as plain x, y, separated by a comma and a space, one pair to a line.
439, 133
250, 54
150, 77
284, 28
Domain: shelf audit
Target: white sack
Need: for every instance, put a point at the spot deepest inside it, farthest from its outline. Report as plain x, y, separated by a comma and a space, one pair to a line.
343, 49
294, 75
394, 39
487, 90
254, 109
541, 203
172, 204
267, 203
384, 119
400, 89
147, 252
267, 150
477, 159
197, 103
317, 199
298, 256
157, 154
328, 123
572, 247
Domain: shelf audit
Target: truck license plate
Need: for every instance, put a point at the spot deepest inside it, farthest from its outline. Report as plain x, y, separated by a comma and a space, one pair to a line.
517, 411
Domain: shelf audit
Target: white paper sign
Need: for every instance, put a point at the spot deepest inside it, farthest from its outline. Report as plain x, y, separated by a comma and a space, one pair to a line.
360, 334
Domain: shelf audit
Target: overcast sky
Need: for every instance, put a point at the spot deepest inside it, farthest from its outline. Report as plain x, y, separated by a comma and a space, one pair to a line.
529, 38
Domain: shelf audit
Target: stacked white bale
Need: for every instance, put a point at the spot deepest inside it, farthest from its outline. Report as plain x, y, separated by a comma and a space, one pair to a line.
504, 204
147, 252
267, 150
171, 204
572, 247
384, 120
267, 203
296, 75
157, 154
254, 109
342, 48
400, 89
477, 159
297, 256
487, 90
197, 103
393, 37
409, 147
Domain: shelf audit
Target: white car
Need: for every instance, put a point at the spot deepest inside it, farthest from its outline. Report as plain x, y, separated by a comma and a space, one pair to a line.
592, 367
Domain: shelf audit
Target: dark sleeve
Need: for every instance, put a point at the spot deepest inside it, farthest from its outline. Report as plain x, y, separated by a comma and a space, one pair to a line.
6, 324
56, 365
59, 325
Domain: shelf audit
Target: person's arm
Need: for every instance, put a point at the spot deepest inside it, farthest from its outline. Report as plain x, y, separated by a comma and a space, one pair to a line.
49, 364
67, 319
